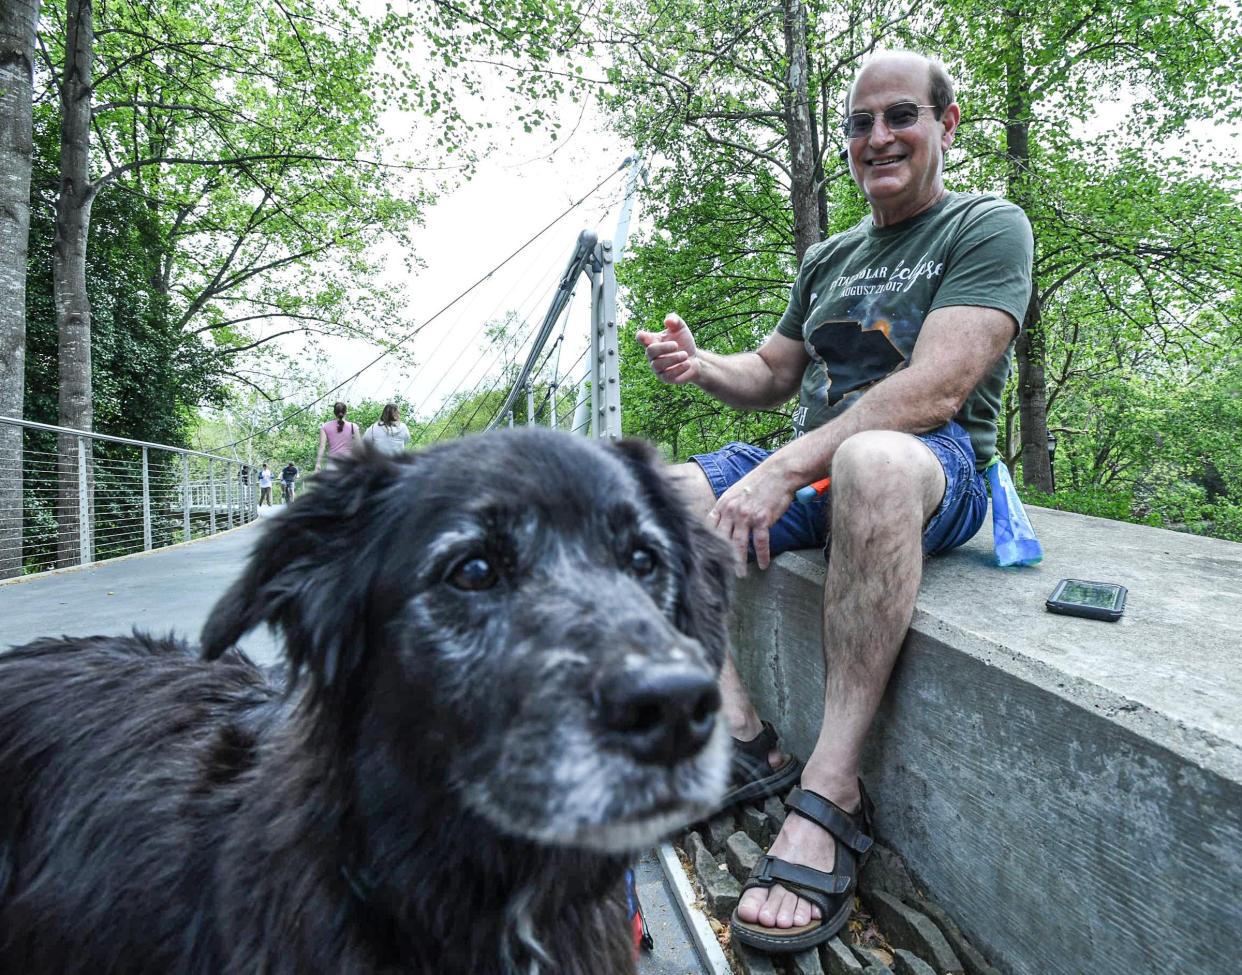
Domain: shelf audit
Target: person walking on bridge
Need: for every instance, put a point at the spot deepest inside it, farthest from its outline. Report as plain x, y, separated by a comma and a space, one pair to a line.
388, 434
897, 338
288, 476
337, 437
265, 486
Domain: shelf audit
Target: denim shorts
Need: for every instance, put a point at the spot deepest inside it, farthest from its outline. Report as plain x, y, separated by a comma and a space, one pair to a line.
954, 523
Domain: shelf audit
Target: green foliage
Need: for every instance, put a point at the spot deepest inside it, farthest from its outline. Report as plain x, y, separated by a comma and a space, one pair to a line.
478, 54
1095, 502
1160, 446
732, 289
149, 375
1139, 252
245, 139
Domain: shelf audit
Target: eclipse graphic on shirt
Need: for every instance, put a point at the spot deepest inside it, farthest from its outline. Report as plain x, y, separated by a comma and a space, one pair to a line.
853, 358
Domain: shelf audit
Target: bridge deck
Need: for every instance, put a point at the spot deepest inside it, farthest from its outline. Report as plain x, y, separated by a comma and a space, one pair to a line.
169, 589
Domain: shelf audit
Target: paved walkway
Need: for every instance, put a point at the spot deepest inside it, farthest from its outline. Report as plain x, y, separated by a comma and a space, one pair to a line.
168, 590
174, 589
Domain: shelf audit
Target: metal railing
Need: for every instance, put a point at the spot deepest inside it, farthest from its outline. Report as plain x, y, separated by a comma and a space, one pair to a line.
69, 497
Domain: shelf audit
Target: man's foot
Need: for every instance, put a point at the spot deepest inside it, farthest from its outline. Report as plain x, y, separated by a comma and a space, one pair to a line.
802, 842
818, 851
759, 768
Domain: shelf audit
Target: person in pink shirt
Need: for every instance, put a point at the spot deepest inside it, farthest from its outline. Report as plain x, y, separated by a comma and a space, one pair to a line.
336, 436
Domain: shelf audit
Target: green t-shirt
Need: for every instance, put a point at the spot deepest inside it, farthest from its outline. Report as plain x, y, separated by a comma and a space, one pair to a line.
860, 298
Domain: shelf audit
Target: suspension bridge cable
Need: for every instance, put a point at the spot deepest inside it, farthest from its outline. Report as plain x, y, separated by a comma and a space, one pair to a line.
478, 395
535, 259
490, 355
573, 206
606, 208
540, 286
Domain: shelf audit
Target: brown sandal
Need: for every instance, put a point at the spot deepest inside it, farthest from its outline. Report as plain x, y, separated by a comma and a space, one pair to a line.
832, 892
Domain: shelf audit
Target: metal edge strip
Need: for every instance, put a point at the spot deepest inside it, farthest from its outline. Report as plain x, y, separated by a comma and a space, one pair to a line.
709, 949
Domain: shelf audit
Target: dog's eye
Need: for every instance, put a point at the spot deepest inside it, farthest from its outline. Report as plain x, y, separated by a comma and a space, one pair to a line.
642, 562
473, 574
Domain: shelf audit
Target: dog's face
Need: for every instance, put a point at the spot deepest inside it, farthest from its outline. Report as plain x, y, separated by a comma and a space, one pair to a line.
534, 615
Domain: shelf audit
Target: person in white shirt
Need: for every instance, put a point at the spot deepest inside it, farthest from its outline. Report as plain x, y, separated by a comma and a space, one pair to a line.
265, 486
388, 435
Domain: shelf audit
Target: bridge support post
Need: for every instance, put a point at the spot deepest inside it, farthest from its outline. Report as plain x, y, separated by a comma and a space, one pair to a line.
84, 507
146, 502
228, 494
211, 489
605, 356
185, 496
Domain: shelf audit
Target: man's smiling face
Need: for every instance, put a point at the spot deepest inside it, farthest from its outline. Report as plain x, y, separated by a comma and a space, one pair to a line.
899, 170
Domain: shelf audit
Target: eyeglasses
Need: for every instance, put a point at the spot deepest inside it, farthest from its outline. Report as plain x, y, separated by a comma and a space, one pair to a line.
900, 116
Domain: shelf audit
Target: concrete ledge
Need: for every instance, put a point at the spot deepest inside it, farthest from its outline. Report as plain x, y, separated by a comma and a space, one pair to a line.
1070, 790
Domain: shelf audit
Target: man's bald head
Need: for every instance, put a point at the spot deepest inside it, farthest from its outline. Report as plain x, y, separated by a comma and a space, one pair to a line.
939, 84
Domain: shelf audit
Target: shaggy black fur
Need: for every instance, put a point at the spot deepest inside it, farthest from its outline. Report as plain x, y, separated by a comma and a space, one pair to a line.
502, 656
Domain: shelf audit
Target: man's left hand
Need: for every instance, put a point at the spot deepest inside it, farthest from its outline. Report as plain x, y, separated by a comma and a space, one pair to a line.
746, 511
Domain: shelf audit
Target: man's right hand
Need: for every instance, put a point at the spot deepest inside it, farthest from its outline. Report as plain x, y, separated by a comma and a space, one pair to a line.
672, 354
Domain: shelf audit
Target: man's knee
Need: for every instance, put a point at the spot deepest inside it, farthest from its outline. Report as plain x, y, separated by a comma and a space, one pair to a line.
883, 468
693, 486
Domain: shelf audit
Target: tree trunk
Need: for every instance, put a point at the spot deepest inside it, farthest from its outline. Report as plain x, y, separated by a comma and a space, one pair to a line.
18, 21
802, 154
1032, 387
821, 179
1033, 401
73, 310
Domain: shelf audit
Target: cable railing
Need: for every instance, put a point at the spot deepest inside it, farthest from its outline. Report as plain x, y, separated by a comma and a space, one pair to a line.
71, 497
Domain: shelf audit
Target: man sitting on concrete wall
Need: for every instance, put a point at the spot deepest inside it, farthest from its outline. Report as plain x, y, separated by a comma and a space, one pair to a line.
898, 338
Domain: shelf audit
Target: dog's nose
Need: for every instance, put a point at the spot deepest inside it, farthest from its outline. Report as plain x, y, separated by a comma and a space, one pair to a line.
660, 714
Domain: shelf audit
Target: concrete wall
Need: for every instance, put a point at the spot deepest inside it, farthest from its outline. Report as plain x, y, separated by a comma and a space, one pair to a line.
1070, 790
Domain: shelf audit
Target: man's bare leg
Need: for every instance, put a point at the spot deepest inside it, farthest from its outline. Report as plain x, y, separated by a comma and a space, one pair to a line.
885, 486
739, 714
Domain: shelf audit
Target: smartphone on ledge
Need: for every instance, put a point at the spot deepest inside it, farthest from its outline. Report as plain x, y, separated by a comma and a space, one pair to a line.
1090, 600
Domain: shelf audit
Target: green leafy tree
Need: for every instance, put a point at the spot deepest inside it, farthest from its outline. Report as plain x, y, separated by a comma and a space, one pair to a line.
250, 132
1101, 207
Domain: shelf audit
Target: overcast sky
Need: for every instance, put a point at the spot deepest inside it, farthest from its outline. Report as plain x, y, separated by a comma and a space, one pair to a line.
514, 194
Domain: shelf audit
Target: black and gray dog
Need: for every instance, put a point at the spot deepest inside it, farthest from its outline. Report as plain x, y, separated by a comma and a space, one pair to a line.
502, 656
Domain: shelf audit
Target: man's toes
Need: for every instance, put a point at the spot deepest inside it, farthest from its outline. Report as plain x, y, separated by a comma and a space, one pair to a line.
773, 907
787, 913
752, 901
803, 912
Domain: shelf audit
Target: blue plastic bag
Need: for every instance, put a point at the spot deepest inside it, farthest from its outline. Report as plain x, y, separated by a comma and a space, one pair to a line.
1015, 539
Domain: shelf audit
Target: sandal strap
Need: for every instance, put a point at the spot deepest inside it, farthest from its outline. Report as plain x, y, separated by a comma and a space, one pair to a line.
809, 883
846, 827
750, 758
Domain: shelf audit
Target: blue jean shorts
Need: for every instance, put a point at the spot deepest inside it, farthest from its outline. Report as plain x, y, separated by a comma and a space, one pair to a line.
954, 523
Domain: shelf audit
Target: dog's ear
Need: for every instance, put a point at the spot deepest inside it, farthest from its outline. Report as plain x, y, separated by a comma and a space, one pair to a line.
312, 569
704, 561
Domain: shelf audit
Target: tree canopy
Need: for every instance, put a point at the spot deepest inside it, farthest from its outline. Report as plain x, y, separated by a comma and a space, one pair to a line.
239, 180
